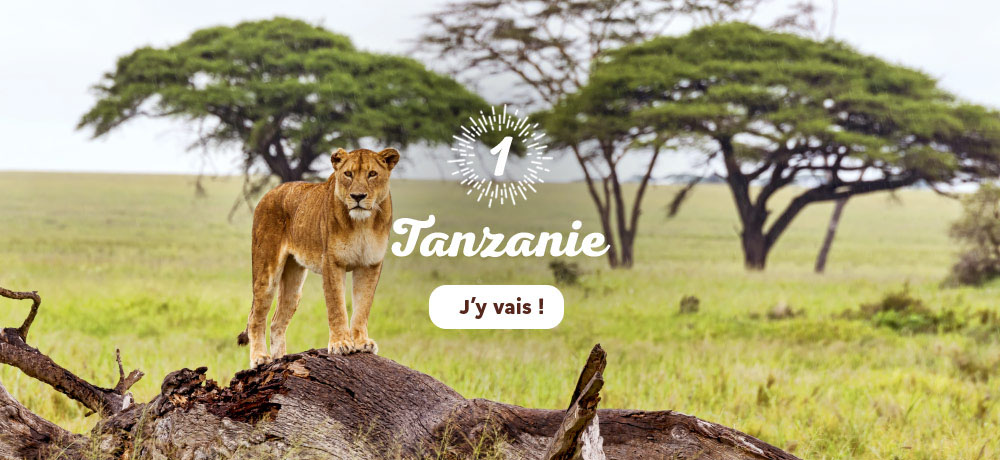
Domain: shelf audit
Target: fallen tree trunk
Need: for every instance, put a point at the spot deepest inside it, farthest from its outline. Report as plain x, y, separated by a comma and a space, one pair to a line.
316, 405
363, 406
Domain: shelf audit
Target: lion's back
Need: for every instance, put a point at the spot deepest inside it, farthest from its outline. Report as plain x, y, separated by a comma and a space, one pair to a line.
287, 205
284, 200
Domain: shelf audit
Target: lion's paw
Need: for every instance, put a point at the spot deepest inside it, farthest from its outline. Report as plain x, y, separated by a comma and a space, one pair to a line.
340, 347
365, 345
260, 360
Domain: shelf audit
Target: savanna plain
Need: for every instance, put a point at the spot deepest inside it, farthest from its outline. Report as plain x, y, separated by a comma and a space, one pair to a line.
141, 263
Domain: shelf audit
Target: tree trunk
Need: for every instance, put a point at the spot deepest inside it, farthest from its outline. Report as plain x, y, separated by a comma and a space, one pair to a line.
616, 196
317, 405
628, 233
628, 243
603, 206
609, 236
755, 247
831, 231
622, 254
752, 215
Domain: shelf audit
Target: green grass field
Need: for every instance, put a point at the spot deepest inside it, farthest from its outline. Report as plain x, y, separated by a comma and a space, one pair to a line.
138, 262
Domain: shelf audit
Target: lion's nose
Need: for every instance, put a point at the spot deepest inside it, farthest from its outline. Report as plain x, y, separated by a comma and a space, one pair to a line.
358, 196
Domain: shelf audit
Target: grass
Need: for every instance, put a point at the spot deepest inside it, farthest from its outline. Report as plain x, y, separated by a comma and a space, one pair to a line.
140, 263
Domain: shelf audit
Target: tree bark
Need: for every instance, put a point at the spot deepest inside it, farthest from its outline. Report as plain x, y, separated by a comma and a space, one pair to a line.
628, 245
602, 205
26, 435
831, 231
752, 215
756, 246
754, 249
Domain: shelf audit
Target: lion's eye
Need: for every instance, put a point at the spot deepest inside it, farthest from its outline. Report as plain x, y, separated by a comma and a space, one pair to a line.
372, 173
349, 174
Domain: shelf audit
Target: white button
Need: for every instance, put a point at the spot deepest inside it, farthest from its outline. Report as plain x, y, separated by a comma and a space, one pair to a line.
472, 306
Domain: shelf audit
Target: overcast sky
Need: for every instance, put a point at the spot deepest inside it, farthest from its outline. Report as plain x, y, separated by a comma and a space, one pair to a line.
52, 53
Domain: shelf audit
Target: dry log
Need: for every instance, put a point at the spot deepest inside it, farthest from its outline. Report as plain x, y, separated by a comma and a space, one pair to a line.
316, 405
26, 435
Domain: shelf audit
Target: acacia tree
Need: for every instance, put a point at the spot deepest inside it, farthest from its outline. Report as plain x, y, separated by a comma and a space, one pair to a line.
546, 48
802, 20
779, 109
285, 91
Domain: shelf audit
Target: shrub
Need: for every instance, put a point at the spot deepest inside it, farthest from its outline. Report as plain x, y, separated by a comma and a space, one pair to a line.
978, 231
973, 268
689, 304
565, 273
903, 312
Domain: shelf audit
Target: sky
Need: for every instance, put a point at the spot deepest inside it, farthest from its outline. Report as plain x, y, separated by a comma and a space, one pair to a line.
52, 54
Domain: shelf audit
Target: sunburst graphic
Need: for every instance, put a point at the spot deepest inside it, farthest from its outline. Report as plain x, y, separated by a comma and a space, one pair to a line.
497, 186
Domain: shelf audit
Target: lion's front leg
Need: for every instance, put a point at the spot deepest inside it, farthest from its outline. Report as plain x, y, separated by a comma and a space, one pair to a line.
336, 309
365, 281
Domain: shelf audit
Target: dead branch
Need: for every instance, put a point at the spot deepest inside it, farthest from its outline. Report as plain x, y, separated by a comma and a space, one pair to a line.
15, 351
578, 436
125, 383
36, 300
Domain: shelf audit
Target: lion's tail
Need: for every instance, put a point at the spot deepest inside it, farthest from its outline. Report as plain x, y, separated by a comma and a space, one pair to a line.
243, 339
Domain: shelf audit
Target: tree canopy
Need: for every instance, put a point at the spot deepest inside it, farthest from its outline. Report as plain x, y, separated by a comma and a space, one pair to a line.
774, 109
544, 48
286, 91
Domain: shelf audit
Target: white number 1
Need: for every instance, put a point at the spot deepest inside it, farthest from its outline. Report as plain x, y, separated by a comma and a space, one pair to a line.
503, 148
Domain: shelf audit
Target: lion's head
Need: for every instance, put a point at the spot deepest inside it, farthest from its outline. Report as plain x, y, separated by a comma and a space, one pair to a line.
362, 179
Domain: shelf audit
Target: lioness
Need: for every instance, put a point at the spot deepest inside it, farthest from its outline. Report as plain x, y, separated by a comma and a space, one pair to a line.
331, 228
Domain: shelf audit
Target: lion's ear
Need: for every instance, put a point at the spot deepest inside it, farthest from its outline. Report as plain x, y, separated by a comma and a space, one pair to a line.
390, 157
338, 158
